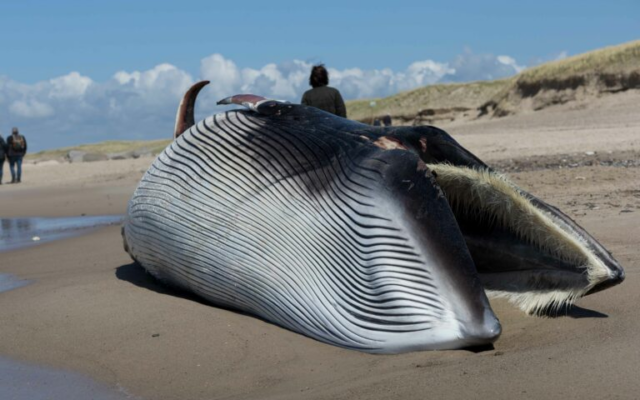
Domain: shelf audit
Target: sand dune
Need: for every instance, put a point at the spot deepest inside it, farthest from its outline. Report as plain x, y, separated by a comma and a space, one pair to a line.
92, 311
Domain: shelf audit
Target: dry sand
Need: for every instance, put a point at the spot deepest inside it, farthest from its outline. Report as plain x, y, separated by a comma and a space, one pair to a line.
90, 310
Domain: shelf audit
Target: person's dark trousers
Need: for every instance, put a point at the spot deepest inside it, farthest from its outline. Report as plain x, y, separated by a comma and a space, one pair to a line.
1, 168
16, 174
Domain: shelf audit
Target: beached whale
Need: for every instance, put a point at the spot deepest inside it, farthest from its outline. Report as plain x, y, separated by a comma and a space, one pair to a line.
382, 240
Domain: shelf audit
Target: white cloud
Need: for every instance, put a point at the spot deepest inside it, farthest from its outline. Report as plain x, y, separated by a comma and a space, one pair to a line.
289, 80
224, 74
426, 72
163, 79
356, 83
510, 62
550, 57
69, 86
473, 67
31, 109
141, 104
285, 81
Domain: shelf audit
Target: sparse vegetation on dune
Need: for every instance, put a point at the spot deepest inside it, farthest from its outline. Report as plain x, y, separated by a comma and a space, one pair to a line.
108, 147
624, 58
607, 70
406, 105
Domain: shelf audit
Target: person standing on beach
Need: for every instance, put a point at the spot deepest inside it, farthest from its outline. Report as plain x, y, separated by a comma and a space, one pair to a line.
323, 96
3, 150
16, 149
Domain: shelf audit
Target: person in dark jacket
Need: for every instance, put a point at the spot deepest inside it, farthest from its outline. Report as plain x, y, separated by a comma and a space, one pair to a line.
323, 96
3, 150
16, 149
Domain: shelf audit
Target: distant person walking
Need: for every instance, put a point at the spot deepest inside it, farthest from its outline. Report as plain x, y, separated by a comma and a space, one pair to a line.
323, 96
16, 149
3, 152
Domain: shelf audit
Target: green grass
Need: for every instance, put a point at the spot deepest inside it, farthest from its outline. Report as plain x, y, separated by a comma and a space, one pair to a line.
616, 67
112, 146
622, 60
615, 59
408, 104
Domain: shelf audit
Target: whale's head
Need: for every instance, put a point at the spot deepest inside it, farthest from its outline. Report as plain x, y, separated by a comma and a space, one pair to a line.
524, 249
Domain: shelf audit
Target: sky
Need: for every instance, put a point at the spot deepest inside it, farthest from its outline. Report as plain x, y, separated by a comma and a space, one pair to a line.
76, 72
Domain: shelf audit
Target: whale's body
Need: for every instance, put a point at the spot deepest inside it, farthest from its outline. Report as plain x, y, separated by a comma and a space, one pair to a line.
341, 231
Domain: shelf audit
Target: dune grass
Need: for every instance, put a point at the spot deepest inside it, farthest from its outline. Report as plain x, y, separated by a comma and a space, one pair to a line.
611, 69
111, 146
407, 104
622, 59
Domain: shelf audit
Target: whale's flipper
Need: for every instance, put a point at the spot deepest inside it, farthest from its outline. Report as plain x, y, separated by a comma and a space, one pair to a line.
185, 115
259, 104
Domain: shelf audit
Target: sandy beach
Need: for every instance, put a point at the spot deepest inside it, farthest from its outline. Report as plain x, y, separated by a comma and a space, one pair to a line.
90, 310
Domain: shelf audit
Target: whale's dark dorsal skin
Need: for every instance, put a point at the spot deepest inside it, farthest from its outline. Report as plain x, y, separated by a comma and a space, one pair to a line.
376, 239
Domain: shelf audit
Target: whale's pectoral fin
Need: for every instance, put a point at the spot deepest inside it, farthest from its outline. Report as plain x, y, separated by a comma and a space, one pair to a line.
259, 104
247, 100
413, 199
185, 116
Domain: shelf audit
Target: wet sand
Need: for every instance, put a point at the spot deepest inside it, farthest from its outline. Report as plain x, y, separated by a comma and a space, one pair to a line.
90, 310
26, 232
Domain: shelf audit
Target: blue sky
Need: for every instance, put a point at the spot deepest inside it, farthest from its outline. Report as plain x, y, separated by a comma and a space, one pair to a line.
82, 71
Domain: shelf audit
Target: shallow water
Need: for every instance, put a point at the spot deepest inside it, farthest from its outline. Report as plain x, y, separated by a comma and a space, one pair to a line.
16, 233
21, 381
8, 282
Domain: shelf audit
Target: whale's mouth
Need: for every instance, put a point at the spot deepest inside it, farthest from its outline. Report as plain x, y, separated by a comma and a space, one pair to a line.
521, 252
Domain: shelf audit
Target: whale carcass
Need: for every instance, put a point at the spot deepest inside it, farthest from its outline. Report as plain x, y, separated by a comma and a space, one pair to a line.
383, 240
